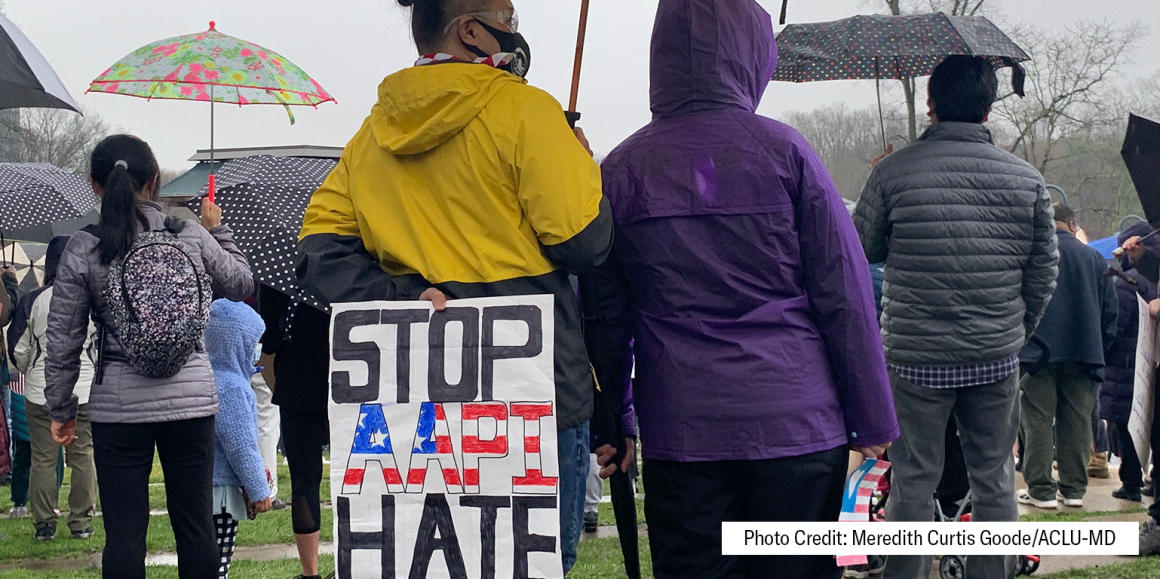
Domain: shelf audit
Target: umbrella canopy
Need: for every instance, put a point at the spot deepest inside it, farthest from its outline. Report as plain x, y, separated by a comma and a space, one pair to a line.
1141, 154
26, 79
883, 46
28, 258
264, 199
33, 195
193, 66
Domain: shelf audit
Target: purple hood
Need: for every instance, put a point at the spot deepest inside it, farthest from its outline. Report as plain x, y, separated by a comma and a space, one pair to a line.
710, 53
736, 269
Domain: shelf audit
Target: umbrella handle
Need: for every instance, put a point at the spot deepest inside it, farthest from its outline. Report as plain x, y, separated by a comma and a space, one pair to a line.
212, 186
580, 35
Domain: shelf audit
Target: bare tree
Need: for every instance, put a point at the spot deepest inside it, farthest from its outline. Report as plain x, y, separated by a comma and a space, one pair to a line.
1070, 84
846, 140
59, 137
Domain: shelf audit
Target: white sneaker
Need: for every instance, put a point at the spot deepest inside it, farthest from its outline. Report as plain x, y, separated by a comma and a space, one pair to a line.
18, 511
1074, 503
1025, 498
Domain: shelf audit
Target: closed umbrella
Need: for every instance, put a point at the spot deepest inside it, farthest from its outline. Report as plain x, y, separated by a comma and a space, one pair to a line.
890, 47
211, 67
26, 79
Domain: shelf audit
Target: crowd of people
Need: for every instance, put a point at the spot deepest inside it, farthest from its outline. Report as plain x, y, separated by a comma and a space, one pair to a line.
733, 279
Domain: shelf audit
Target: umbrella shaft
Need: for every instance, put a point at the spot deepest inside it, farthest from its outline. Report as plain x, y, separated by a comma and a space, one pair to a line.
580, 34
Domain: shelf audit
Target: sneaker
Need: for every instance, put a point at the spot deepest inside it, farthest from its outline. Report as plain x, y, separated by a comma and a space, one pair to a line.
590, 522
1149, 539
1025, 498
1073, 503
18, 512
1128, 494
874, 566
85, 534
278, 504
45, 533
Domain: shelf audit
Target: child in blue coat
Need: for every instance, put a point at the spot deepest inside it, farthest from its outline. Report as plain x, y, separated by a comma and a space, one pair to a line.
231, 340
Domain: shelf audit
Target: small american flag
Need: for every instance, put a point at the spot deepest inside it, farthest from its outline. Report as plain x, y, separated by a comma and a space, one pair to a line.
16, 384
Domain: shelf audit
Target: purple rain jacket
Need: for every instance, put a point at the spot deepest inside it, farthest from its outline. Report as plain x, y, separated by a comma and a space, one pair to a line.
736, 267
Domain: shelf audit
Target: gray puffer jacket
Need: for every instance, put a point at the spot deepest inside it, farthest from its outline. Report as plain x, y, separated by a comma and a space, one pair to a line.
968, 236
124, 396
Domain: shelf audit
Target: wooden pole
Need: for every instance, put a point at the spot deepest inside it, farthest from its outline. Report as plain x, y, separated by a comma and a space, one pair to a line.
579, 56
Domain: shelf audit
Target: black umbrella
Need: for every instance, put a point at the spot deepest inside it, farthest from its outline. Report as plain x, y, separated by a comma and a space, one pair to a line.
263, 200
26, 79
890, 47
1141, 153
35, 196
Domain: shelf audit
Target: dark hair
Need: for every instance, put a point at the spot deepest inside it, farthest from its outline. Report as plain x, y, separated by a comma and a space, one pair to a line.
963, 88
122, 165
430, 17
1063, 213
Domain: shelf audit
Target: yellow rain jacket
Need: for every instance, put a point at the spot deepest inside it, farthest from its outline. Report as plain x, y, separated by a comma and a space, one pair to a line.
464, 178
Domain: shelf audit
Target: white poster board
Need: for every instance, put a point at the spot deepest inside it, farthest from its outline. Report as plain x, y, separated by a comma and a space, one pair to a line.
1143, 396
443, 440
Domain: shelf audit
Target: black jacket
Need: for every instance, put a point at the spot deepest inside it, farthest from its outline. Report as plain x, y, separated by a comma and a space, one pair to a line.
1080, 323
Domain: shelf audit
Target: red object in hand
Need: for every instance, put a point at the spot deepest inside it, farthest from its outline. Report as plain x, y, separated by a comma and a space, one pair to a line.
212, 186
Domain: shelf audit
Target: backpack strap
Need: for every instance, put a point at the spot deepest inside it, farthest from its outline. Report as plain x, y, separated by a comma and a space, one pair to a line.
174, 225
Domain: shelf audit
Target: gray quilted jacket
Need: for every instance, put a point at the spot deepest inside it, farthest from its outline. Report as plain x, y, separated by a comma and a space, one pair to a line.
968, 236
124, 396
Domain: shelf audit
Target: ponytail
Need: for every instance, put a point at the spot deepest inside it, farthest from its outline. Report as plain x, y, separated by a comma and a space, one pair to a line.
122, 165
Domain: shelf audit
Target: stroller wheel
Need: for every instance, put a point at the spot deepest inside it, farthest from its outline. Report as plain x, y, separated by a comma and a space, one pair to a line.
951, 567
1029, 564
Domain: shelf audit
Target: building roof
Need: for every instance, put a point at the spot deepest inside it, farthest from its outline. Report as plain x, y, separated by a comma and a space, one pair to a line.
192, 181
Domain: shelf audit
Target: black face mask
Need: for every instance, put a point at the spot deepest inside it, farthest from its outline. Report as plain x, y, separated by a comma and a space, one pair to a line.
510, 42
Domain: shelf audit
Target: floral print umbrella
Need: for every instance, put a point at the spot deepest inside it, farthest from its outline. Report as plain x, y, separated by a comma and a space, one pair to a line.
196, 66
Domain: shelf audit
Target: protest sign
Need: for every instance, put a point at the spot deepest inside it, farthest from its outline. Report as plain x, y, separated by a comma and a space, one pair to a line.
1143, 399
443, 440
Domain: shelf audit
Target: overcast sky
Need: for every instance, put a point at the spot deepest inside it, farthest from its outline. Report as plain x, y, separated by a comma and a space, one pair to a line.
350, 45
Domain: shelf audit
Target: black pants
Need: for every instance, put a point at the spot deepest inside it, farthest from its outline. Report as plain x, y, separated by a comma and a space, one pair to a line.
303, 436
686, 502
1130, 473
123, 454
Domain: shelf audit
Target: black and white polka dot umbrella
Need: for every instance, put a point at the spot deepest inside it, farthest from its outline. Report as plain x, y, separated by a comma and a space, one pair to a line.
263, 200
37, 194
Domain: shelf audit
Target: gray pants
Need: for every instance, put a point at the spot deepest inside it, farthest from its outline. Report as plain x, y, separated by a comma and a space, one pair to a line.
44, 491
1061, 394
988, 421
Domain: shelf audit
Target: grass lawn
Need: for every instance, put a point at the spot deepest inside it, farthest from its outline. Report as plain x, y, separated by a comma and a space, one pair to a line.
238, 570
268, 529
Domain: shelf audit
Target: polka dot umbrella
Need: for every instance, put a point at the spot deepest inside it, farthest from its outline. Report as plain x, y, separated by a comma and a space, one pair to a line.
36, 196
890, 47
263, 200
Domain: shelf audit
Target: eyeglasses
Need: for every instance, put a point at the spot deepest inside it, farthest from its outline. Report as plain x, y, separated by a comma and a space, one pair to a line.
507, 18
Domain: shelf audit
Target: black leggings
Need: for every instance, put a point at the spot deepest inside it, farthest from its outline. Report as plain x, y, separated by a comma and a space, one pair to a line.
303, 436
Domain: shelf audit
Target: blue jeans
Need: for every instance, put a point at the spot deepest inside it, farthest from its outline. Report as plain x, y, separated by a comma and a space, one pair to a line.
572, 446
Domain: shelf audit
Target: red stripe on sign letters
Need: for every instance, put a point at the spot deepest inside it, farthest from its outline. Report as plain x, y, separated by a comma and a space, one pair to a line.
471, 477
354, 476
477, 411
535, 478
474, 445
443, 445
532, 445
531, 411
439, 414
416, 476
451, 477
392, 476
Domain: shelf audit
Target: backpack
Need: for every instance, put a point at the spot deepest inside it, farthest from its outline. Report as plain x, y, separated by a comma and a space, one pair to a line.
160, 302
